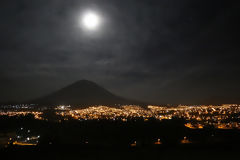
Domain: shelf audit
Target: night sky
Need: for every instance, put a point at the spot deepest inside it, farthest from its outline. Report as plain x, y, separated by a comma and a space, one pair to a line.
163, 51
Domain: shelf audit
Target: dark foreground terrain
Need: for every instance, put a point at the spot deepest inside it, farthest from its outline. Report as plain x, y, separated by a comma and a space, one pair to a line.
105, 139
163, 153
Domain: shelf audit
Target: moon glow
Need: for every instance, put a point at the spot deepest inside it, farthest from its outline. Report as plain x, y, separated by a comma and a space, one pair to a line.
90, 20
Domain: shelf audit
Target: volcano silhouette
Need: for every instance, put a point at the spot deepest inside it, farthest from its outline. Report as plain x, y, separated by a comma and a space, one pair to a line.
83, 92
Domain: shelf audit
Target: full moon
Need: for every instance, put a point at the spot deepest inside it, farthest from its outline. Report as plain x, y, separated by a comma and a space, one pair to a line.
90, 20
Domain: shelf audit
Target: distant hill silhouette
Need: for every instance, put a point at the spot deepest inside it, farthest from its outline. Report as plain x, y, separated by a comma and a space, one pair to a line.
83, 92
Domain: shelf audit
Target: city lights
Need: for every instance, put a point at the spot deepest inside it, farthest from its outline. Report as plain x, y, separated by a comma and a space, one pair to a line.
197, 117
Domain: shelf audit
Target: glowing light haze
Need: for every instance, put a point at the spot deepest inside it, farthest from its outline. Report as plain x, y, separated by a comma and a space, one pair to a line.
90, 20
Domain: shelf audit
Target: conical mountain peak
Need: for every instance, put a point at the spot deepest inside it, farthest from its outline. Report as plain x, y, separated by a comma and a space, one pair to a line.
83, 92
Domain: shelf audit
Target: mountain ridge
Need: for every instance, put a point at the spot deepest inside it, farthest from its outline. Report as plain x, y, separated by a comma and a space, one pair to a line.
83, 92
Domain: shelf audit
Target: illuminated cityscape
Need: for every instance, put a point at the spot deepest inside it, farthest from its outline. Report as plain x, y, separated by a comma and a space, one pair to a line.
197, 117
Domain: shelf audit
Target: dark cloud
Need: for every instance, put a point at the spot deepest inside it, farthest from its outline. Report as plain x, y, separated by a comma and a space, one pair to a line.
161, 51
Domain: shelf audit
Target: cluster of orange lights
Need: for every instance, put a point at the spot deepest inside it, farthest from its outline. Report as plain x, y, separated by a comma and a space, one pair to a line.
197, 117
37, 115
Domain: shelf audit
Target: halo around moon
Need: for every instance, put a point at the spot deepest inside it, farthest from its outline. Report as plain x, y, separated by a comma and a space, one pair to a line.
90, 20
